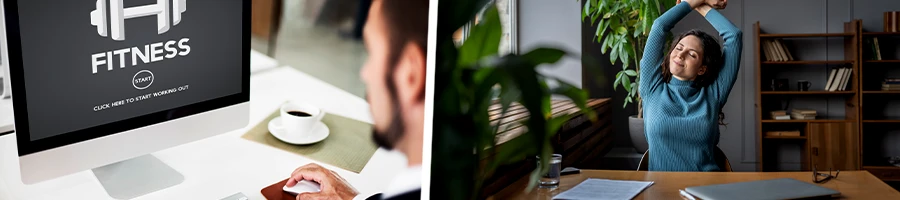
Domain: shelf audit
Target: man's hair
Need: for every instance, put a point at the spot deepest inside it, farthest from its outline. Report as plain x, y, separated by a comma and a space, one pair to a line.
406, 21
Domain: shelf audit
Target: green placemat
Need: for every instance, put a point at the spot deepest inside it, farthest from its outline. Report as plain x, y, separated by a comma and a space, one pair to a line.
349, 144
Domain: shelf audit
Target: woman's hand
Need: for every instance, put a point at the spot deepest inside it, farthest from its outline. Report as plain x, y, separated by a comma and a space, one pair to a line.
717, 4
694, 3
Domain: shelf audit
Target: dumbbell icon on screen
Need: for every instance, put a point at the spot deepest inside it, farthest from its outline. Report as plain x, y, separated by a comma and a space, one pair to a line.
118, 14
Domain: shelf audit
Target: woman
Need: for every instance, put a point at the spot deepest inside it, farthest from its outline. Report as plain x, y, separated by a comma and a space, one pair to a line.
684, 96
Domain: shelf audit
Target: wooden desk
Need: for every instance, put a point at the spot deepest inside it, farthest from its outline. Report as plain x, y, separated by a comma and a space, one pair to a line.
851, 184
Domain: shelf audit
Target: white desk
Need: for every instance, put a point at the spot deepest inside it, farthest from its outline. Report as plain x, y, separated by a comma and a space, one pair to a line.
260, 62
223, 165
6, 118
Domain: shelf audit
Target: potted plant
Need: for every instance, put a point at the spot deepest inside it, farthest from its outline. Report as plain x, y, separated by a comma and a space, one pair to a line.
622, 29
472, 77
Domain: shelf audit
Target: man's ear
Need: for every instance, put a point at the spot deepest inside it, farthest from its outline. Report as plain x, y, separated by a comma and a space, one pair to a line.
702, 70
409, 75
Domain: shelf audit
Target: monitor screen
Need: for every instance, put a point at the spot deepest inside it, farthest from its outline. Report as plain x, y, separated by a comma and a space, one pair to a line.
90, 68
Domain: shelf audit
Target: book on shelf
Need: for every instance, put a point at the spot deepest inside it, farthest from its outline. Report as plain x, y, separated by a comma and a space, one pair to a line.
770, 56
780, 115
890, 84
776, 50
877, 48
795, 133
872, 50
847, 75
831, 77
785, 50
803, 114
838, 79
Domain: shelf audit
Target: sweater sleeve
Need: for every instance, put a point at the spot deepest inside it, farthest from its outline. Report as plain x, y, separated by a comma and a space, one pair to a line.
654, 52
731, 54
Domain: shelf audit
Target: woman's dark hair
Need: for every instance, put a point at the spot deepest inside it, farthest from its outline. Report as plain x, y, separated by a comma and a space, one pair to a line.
712, 58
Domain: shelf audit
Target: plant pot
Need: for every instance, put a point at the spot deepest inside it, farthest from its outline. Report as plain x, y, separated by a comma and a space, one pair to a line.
636, 130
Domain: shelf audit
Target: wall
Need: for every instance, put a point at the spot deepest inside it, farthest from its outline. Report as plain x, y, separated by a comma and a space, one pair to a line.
738, 140
540, 23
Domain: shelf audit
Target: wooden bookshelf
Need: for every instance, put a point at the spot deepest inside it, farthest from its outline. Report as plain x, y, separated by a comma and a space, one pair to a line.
881, 92
822, 140
881, 33
876, 122
808, 62
886, 173
806, 92
881, 121
801, 35
882, 61
806, 121
787, 137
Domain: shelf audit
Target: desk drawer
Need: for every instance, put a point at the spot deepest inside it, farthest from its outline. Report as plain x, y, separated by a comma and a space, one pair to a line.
885, 173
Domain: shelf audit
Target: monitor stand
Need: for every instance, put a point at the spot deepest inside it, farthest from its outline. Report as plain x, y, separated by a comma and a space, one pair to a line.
136, 177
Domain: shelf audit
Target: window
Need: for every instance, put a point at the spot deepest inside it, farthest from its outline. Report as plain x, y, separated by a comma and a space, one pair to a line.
508, 21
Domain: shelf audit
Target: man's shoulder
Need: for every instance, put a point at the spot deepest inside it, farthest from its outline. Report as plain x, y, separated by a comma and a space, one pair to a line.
415, 194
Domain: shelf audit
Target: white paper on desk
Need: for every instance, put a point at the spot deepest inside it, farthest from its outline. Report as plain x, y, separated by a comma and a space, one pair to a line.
601, 189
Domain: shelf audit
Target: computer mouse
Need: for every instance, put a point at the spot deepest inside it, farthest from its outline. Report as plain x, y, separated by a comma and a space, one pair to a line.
303, 186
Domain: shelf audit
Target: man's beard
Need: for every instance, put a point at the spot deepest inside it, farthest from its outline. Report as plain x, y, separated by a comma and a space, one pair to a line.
389, 138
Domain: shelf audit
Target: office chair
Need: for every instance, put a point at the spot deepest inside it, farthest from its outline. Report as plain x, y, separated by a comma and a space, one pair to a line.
721, 161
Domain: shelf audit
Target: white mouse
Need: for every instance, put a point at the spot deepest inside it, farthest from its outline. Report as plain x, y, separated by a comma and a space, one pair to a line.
303, 186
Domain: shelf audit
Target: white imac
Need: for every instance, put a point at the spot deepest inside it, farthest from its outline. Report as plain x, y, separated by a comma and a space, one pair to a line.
101, 84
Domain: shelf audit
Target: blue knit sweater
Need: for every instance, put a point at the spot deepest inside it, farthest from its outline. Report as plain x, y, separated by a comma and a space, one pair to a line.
680, 121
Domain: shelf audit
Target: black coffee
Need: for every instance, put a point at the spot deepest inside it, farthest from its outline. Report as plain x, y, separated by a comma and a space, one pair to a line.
299, 113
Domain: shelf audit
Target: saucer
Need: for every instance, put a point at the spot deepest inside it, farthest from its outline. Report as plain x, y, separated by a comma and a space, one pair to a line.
316, 134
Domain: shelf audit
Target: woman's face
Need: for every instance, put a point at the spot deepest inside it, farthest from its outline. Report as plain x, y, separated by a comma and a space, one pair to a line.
686, 59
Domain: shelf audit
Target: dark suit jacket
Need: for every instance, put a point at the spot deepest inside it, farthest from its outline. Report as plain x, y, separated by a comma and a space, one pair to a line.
416, 194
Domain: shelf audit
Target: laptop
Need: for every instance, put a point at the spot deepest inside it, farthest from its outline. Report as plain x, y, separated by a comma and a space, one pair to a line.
783, 188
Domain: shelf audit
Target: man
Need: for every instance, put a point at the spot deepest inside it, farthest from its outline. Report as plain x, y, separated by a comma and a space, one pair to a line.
394, 73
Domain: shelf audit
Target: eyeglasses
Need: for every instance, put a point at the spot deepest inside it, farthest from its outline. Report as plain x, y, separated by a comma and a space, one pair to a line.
827, 176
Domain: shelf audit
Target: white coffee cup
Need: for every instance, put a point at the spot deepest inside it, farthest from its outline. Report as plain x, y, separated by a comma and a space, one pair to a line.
299, 118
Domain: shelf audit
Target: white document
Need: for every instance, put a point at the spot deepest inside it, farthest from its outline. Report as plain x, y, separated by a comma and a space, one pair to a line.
601, 189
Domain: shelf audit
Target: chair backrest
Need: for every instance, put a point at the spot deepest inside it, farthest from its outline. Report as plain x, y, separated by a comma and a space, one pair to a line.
721, 161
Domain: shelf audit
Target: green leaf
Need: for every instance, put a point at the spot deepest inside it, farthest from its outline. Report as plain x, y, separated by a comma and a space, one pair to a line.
626, 82
614, 23
587, 9
618, 80
668, 4
605, 46
614, 54
623, 56
601, 29
633, 14
622, 30
630, 72
484, 39
543, 55
627, 53
617, 8
638, 30
633, 87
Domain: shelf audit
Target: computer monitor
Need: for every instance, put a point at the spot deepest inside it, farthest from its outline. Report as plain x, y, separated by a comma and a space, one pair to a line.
100, 84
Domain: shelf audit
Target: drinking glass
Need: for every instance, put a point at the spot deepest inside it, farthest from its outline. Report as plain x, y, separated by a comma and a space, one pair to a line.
551, 178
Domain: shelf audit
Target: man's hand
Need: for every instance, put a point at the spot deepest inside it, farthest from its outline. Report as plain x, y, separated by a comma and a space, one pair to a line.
332, 186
